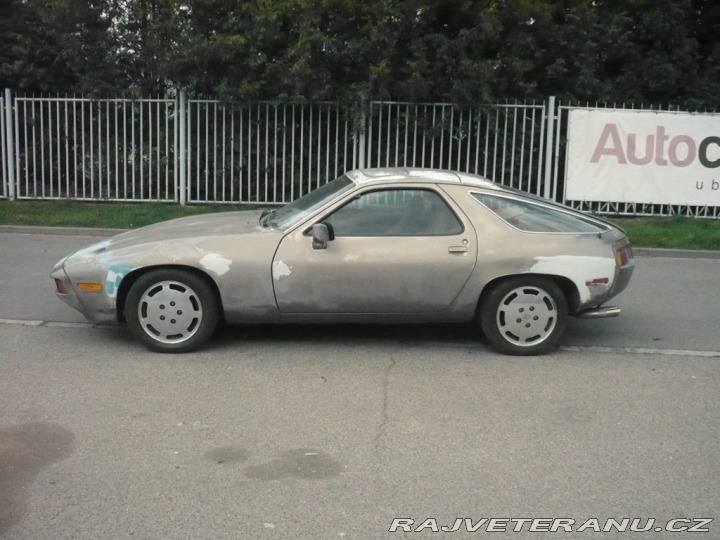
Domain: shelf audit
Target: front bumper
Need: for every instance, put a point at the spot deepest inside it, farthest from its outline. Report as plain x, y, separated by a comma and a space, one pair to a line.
96, 306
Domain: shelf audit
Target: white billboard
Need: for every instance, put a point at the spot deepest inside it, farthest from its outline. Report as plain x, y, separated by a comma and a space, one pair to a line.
643, 157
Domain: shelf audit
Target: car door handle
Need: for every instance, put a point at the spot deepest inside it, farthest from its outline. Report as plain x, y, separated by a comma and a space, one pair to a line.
457, 249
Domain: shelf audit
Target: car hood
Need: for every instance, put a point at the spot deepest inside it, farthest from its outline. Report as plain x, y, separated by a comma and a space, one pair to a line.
220, 224
169, 239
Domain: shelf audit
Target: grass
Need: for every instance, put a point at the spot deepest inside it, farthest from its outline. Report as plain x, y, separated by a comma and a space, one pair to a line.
65, 213
671, 233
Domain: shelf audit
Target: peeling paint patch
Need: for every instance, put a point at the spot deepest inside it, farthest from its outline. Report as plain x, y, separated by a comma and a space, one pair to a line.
114, 276
579, 269
89, 253
215, 263
280, 270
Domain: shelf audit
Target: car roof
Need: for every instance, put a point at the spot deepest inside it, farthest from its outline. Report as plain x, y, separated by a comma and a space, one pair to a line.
435, 176
385, 176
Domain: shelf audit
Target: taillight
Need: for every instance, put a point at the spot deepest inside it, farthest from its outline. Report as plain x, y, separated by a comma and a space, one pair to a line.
623, 254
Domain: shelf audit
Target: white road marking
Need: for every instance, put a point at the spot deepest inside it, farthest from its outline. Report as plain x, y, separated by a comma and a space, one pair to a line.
58, 324
70, 324
22, 322
642, 350
567, 348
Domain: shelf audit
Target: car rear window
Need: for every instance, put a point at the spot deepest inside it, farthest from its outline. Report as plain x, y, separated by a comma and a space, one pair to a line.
534, 217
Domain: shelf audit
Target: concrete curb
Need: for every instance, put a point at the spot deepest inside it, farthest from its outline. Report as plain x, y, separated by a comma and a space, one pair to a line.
676, 253
86, 231
60, 231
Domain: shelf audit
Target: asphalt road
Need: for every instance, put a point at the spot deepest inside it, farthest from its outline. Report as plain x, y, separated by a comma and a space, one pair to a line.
334, 432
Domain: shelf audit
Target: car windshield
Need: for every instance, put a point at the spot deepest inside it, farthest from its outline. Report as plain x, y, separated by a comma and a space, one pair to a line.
286, 216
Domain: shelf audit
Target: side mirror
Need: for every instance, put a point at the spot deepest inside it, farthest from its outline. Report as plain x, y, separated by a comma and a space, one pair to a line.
322, 233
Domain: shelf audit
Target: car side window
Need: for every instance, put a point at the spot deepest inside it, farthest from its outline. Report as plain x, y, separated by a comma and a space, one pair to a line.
531, 217
395, 212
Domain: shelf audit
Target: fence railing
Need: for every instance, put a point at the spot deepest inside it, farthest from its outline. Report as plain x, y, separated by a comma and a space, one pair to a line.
85, 149
209, 151
502, 142
264, 152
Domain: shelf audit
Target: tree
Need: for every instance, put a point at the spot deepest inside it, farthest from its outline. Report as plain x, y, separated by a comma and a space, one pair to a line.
705, 19
56, 46
648, 52
146, 37
470, 51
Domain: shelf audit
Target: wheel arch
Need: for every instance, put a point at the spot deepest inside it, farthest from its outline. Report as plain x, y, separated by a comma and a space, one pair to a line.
568, 288
128, 281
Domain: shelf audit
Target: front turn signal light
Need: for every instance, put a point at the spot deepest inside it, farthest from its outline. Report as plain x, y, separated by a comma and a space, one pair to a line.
90, 287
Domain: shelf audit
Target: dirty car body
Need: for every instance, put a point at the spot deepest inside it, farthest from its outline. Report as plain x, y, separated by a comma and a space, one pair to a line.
372, 246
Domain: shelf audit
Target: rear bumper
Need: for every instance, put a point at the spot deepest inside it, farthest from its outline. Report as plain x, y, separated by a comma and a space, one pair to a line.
622, 279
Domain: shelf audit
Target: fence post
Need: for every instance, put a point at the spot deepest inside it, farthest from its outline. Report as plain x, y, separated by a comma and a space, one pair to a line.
182, 158
10, 146
362, 139
547, 188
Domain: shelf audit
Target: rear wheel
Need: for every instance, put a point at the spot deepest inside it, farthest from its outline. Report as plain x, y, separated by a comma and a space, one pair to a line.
172, 310
524, 315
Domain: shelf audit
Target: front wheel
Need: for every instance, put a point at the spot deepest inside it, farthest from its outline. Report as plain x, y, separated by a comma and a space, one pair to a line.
172, 310
524, 315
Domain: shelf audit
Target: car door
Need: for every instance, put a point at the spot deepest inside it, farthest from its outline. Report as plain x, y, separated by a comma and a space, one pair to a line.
394, 251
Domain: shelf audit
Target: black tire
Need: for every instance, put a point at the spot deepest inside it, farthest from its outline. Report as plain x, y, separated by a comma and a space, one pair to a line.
524, 315
172, 310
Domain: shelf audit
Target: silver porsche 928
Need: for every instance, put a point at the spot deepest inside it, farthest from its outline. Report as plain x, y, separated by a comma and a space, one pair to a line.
372, 246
